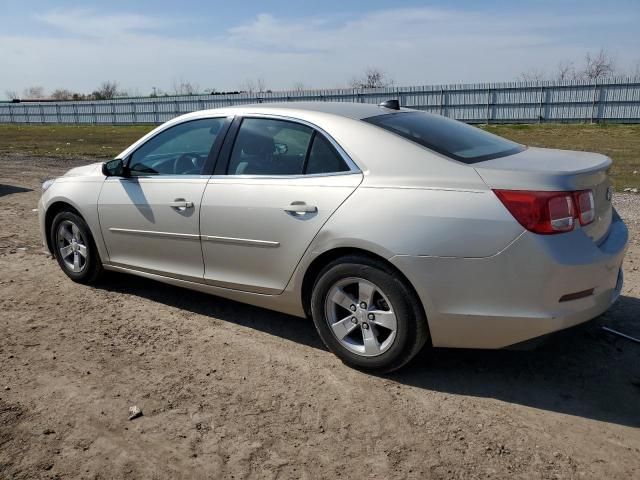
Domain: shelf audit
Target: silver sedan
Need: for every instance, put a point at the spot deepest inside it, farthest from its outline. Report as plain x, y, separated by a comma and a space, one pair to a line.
390, 227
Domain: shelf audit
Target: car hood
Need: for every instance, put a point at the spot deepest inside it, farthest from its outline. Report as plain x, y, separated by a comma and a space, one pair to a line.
85, 170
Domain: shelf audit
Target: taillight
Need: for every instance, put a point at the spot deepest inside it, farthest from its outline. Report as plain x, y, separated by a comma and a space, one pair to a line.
586, 206
549, 212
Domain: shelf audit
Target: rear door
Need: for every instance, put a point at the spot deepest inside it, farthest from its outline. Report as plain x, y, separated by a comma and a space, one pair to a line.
150, 219
278, 184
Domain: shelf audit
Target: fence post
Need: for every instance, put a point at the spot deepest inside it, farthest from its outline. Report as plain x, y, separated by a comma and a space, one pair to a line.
155, 112
542, 98
41, 114
134, 112
58, 112
489, 93
593, 99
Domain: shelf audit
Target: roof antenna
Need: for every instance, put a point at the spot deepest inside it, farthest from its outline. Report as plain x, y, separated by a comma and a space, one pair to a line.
390, 104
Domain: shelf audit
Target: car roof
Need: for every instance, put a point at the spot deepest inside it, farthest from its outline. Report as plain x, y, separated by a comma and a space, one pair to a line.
356, 111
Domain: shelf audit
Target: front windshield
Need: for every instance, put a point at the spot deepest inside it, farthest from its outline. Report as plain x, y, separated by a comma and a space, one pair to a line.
449, 137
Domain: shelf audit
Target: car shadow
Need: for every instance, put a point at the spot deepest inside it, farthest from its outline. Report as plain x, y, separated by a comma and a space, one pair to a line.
292, 328
11, 189
582, 371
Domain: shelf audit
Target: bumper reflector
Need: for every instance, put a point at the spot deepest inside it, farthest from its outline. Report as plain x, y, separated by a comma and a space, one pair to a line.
575, 296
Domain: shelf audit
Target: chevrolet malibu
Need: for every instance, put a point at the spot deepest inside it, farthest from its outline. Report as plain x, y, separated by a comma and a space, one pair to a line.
391, 228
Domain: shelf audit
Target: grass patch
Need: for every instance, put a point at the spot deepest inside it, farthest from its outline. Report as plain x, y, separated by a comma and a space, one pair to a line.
620, 142
100, 141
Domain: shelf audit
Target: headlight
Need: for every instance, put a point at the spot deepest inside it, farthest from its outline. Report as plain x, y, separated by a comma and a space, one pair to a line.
47, 184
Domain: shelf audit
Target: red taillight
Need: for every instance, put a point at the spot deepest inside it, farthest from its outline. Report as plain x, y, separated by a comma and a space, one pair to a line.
586, 206
549, 212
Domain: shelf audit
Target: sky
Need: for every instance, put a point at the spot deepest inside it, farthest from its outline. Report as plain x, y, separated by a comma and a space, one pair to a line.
144, 44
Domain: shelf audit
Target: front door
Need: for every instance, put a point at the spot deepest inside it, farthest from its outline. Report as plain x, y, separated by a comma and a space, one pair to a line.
283, 181
150, 218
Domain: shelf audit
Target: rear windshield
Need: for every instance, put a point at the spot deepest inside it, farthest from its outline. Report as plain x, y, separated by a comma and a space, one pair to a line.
449, 137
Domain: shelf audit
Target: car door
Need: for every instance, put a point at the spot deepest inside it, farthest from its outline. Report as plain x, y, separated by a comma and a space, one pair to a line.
279, 183
150, 217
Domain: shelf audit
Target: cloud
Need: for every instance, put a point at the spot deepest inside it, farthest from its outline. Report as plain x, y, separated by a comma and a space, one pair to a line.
79, 49
98, 25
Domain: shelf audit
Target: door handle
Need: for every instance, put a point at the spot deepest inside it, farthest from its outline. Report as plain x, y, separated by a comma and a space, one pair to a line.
180, 203
300, 208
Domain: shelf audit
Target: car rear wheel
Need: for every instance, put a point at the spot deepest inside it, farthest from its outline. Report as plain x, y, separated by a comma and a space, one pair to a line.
74, 248
367, 314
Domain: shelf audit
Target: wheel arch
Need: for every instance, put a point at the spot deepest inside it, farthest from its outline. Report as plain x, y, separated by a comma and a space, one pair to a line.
51, 212
318, 263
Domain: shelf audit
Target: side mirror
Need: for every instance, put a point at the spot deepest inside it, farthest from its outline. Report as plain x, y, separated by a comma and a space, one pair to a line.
114, 168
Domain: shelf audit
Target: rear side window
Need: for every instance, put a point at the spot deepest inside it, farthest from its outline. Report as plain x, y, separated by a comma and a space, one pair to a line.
449, 137
269, 147
323, 158
272, 147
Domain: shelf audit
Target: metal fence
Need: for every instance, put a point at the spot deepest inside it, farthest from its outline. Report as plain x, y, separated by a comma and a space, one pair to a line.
613, 100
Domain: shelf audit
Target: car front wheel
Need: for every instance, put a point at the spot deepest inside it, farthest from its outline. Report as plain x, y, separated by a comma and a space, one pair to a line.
367, 314
74, 248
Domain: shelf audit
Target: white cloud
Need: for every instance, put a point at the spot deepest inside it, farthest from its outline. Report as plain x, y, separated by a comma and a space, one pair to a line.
415, 46
93, 24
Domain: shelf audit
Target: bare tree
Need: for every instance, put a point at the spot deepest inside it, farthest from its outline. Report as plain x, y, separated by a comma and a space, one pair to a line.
372, 78
107, 91
184, 87
33, 93
598, 65
11, 94
565, 70
299, 86
257, 85
261, 84
61, 94
532, 75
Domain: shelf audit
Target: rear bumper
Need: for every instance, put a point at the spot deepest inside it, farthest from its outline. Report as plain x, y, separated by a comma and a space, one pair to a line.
511, 297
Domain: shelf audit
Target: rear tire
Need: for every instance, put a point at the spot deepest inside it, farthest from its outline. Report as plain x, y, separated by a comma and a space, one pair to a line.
74, 248
367, 314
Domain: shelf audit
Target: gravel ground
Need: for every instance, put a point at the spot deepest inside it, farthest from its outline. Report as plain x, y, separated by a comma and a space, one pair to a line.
232, 391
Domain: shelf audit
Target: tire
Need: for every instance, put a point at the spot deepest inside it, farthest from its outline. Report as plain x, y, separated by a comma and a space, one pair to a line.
70, 234
371, 339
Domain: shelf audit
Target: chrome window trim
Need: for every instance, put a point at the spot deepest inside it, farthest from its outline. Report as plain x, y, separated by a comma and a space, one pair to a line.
353, 167
172, 177
276, 177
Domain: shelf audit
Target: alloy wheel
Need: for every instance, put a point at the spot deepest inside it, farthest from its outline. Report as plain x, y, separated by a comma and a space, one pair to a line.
72, 246
361, 316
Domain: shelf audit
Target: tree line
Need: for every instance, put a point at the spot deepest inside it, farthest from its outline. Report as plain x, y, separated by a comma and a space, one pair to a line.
594, 66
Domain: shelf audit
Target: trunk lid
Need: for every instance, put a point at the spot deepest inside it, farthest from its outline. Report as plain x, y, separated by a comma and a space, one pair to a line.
555, 170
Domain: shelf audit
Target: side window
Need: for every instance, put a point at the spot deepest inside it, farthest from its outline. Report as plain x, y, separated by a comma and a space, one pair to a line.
323, 158
179, 150
269, 147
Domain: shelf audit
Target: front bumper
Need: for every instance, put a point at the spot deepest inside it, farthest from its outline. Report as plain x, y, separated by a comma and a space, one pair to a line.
513, 296
41, 222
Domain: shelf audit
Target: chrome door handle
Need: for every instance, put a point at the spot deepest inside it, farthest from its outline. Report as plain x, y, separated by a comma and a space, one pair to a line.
300, 208
179, 203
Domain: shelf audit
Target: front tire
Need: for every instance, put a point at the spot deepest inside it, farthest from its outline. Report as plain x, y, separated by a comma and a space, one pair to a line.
367, 314
74, 248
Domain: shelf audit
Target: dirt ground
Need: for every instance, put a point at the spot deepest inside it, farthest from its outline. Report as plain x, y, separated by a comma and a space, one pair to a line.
233, 391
